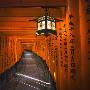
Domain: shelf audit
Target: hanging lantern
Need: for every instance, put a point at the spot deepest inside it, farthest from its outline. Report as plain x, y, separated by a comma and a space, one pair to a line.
46, 25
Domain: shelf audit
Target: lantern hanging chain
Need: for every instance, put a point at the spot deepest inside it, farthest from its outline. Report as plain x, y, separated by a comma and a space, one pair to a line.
46, 11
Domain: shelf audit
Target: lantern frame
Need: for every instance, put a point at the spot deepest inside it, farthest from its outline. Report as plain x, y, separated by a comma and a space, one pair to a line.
46, 25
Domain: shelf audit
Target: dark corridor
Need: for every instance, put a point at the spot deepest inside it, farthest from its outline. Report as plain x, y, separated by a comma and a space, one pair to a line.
31, 73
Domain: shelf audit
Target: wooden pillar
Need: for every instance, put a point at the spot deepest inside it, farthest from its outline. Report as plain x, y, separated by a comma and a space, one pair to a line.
73, 45
85, 45
1, 55
60, 60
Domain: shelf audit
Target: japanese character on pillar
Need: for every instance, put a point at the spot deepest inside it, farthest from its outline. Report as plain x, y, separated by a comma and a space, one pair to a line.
71, 24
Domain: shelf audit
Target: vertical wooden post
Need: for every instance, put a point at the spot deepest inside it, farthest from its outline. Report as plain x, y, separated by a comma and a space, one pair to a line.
73, 44
85, 46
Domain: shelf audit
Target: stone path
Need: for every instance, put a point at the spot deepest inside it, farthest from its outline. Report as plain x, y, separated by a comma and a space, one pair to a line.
31, 74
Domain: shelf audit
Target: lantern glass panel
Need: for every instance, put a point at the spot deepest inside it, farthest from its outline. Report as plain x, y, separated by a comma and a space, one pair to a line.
49, 24
53, 26
39, 26
43, 24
